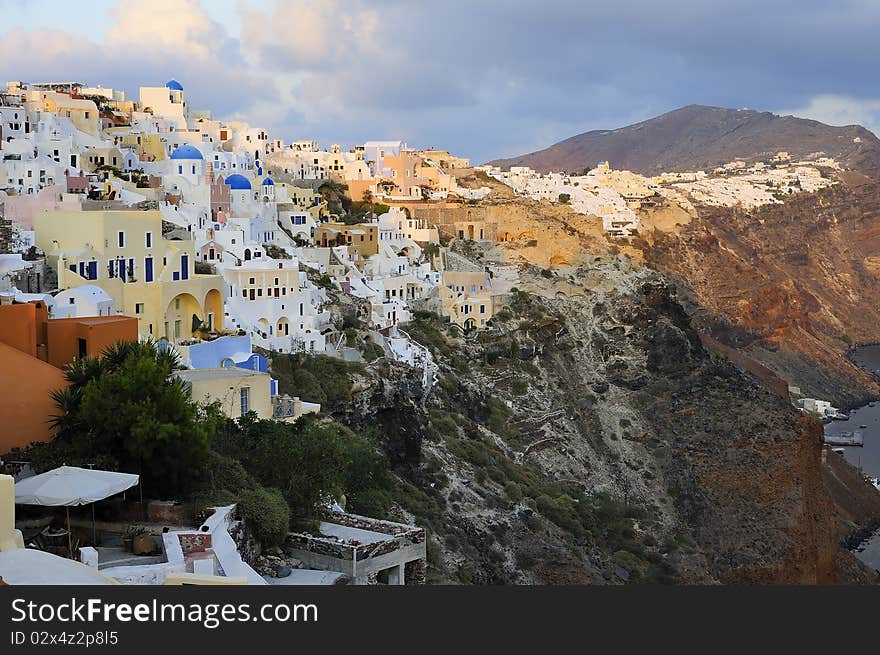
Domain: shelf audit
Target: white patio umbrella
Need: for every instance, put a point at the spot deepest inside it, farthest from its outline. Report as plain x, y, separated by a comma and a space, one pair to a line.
69, 486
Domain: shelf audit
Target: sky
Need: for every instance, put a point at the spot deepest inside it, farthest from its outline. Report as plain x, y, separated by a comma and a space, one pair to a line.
484, 79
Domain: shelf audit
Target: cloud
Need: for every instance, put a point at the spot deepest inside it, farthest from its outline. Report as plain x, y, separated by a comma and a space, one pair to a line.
147, 44
485, 79
841, 110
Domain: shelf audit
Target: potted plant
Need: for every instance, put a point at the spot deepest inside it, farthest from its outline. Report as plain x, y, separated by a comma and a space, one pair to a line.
129, 534
143, 543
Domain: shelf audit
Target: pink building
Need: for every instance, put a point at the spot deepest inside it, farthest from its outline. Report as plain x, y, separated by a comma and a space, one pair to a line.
21, 209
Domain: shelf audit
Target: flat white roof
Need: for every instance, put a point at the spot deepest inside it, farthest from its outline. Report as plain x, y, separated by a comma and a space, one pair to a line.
26, 566
197, 374
346, 533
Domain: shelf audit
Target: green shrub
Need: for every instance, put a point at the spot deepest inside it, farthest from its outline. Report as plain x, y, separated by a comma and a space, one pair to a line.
634, 564
267, 515
443, 423
513, 492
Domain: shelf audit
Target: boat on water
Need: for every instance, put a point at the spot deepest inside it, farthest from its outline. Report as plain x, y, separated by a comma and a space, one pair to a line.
854, 438
837, 415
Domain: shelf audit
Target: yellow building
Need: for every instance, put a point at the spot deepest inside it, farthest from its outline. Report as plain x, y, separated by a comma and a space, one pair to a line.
237, 390
81, 112
363, 237
150, 145
466, 298
147, 276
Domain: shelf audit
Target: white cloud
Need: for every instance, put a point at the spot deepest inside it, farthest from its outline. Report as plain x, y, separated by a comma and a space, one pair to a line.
841, 110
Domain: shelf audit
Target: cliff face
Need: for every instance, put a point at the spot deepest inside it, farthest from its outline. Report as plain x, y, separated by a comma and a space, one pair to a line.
791, 285
591, 438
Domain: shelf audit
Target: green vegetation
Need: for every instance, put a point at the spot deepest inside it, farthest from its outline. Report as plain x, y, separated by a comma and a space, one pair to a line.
140, 179
428, 329
266, 513
564, 198
430, 250
276, 252
315, 378
128, 411
309, 462
204, 268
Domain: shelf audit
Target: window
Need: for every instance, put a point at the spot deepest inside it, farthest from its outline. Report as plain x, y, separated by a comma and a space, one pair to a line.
149, 239
121, 239
148, 269
139, 308
177, 303
482, 309
245, 400
82, 347
176, 329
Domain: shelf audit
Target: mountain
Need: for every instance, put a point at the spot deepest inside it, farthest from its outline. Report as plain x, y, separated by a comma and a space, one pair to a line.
697, 137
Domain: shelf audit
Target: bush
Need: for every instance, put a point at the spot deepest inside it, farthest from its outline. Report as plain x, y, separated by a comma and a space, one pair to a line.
267, 515
315, 378
222, 474
513, 492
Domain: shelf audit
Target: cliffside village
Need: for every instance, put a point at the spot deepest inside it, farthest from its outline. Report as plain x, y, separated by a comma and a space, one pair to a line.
617, 196
127, 220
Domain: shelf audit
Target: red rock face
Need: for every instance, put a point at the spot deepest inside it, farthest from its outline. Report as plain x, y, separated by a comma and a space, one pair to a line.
791, 285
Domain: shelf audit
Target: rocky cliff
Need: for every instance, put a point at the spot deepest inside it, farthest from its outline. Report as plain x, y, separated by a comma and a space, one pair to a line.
791, 285
592, 438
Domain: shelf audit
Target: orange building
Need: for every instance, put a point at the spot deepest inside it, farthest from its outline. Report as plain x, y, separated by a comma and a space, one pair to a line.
25, 404
28, 328
68, 338
33, 351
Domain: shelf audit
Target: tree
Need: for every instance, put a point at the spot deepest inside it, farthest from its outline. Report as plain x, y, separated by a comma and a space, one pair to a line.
309, 462
564, 198
305, 461
128, 406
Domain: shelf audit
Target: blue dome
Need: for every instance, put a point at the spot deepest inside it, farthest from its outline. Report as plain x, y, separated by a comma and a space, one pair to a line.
268, 182
174, 85
238, 182
187, 152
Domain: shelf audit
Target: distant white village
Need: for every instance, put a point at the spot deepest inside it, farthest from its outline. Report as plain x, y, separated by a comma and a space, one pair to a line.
616, 196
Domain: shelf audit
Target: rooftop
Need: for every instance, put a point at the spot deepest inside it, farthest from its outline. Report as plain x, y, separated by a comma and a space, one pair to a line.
200, 374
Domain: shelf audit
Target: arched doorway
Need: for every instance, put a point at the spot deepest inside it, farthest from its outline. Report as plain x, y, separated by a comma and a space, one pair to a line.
247, 254
214, 310
182, 317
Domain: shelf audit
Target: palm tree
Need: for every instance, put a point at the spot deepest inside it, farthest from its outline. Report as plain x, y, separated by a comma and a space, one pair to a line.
67, 424
82, 370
